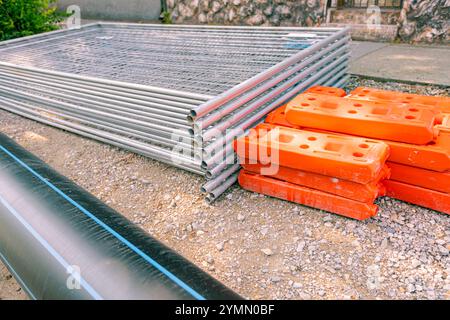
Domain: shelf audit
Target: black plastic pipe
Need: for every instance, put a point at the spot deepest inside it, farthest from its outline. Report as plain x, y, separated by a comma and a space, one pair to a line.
60, 242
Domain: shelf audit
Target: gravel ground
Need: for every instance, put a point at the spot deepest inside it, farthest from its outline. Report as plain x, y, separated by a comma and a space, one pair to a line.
261, 247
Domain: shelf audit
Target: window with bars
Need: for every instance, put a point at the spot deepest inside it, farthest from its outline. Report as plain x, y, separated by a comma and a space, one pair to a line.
389, 4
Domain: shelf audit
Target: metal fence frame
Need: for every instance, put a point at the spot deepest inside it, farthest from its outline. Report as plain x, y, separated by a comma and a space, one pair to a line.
143, 118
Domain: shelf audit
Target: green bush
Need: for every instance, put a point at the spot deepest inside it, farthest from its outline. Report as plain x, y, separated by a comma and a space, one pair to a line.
166, 19
20, 18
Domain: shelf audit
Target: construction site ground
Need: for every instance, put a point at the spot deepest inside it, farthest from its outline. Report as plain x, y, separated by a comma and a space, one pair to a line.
261, 247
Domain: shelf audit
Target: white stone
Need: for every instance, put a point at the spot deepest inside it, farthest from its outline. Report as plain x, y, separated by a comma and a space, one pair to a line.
185, 11
231, 15
283, 10
202, 18
170, 4
301, 246
256, 20
216, 6
267, 252
193, 4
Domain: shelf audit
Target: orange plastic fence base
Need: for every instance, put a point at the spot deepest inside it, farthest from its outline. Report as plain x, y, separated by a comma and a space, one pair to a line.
343, 188
445, 125
380, 120
278, 117
431, 199
440, 103
439, 181
433, 156
309, 197
345, 157
330, 91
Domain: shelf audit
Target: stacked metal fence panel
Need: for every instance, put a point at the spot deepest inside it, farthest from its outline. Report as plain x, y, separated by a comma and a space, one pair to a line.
178, 94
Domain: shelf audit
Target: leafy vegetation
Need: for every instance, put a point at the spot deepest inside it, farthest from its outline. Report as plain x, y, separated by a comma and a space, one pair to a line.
166, 18
20, 18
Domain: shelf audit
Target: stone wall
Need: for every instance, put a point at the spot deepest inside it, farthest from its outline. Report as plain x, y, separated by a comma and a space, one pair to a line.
419, 21
425, 21
248, 12
360, 16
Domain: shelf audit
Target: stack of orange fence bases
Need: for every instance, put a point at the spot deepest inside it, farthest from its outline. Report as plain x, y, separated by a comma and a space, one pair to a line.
416, 128
336, 173
420, 173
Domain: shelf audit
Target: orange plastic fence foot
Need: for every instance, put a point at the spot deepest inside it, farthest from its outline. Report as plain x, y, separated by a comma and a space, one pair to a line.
345, 157
445, 123
432, 156
330, 91
440, 103
278, 117
428, 179
343, 188
427, 198
377, 120
309, 197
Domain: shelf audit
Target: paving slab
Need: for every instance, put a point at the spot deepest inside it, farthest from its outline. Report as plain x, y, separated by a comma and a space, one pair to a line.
363, 48
423, 64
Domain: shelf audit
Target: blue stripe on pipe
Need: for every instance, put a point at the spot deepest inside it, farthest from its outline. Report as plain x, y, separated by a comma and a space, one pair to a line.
147, 258
49, 248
